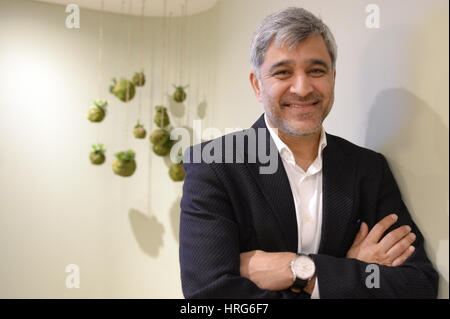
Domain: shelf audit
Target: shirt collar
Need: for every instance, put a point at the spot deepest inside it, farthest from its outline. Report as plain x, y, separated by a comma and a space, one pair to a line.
287, 154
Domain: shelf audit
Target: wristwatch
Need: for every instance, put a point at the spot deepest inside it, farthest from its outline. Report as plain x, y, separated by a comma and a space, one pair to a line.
303, 269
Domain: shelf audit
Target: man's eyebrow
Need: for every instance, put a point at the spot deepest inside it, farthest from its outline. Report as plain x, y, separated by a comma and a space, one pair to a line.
318, 62
291, 62
281, 63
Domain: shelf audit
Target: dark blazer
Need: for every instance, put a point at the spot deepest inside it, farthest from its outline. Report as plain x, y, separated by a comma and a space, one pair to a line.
230, 208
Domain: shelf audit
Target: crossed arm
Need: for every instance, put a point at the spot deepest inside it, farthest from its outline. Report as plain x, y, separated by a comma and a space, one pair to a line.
213, 266
272, 270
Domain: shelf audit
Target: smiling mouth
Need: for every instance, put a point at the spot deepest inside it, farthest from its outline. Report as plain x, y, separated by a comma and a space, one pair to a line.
301, 105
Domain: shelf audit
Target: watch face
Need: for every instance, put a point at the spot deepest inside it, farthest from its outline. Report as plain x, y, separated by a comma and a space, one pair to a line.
304, 267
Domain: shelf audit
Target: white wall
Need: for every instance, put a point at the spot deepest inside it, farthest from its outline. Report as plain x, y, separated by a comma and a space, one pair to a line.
391, 94
57, 209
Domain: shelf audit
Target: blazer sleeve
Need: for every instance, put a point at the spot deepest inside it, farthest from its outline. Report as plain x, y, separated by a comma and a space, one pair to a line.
346, 278
209, 241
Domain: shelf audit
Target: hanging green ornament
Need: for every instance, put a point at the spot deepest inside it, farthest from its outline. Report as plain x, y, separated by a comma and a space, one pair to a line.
180, 94
139, 79
97, 112
159, 136
161, 117
176, 172
124, 164
139, 131
163, 149
97, 155
124, 90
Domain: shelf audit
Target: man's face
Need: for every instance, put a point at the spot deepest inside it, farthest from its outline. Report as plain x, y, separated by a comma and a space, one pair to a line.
296, 86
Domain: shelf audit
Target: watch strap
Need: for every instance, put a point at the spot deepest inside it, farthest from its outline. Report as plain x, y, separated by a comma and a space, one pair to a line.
299, 285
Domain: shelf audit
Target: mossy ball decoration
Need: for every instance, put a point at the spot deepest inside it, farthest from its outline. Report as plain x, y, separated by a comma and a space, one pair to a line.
161, 117
139, 131
97, 112
176, 172
124, 163
159, 136
139, 79
163, 149
96, 115
97, 155
180, 94
124, 90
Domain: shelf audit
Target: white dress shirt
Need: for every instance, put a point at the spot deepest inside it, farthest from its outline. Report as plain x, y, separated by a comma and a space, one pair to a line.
306, 189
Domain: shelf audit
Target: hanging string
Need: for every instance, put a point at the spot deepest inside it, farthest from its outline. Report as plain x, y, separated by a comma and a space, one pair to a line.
151, 87
176, 26
183, 61
99, 65
130, 4
122, 52
179, 46
211, 100
183, 42
141, 53
163, 71
100, 43
130, 9
150, 70
169, 65
200, 98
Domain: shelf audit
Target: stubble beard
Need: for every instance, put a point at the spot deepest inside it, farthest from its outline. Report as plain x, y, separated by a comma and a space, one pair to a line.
284, 126
277, 119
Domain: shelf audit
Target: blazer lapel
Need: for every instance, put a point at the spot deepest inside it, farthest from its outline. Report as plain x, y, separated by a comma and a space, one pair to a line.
338, 187
275, 187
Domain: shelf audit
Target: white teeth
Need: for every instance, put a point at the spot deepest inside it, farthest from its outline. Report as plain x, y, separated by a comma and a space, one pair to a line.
299, 106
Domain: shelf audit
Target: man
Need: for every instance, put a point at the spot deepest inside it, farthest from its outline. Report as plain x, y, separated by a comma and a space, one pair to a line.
329, 210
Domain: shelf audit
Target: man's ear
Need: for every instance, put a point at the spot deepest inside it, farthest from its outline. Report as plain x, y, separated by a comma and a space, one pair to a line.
255, 85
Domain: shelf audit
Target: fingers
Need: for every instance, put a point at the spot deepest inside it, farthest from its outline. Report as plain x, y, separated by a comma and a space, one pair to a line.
361, 235
400, 260
400, 247
380, 228
393, 237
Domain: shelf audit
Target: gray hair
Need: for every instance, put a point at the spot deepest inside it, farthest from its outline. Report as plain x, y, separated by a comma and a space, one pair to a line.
289, 26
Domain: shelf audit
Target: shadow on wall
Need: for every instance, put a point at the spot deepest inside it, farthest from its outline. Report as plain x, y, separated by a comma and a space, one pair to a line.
148, 232
415, 141
201, 109
175, 211
178, 110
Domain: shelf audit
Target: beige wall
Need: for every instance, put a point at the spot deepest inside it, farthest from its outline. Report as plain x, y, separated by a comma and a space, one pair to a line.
57, 209
391, 94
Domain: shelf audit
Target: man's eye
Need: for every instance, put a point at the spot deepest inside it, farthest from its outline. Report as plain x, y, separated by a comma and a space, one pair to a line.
282, 72
317, 72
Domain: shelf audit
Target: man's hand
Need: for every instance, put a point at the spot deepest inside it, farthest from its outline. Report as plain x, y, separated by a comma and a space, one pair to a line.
392, 250
270, 271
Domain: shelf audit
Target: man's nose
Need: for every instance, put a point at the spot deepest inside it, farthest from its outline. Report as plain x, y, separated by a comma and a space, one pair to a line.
302, 85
